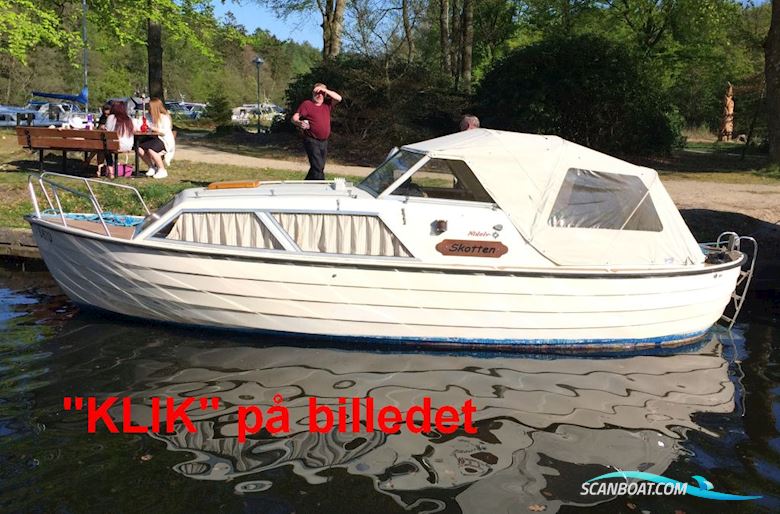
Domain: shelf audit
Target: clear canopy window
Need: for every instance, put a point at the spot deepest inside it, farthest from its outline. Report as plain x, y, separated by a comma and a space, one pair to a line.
390, 171
594, 199
444, 178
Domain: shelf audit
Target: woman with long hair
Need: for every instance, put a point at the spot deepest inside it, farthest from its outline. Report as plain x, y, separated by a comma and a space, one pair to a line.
152, 150
101, 125
118, 121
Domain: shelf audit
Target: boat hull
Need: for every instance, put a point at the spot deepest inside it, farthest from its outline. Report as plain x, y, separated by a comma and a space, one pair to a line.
387, 303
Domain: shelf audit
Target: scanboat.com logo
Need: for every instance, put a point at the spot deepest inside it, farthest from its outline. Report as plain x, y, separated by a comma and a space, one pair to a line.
657, 485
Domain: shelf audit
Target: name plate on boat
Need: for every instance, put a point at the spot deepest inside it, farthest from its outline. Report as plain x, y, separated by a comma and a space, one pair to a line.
466, 248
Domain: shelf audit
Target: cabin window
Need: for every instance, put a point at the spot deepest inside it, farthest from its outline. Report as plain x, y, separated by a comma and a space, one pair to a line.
444, 178
390, 171
593, 199
351, 234
243, 229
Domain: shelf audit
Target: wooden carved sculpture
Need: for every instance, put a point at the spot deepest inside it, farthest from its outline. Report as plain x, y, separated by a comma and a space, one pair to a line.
727, 122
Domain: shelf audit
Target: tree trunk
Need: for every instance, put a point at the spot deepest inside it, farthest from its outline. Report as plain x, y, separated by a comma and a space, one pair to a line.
338, 26
566, 16
468, 44
456, 38
10, 76
155, 57
332, 26
407, 30
326, 9
444, 35
772, 73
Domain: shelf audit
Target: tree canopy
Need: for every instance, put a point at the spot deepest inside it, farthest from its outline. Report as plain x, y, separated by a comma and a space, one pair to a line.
683, 54
201, 53
583, 88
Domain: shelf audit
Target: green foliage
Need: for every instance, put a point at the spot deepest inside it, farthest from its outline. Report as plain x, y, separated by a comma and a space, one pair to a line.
691, 48
685, 50
385, 104
219, 110
494, 28
583, 88
221, 59
25, 24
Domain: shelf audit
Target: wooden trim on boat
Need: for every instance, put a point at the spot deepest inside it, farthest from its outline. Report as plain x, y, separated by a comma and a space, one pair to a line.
96, 227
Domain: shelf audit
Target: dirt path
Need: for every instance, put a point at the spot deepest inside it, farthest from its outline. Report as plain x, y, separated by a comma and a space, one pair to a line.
759, 201
189, 152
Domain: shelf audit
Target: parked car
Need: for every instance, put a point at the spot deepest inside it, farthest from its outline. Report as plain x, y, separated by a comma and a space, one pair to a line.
196, 110
177, 110
248, 113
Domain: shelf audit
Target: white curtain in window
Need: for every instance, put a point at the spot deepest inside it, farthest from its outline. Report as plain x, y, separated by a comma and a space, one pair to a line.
223, 228
341, 233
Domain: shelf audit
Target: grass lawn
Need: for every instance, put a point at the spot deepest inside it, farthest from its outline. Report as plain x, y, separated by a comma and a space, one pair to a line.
16, 164
724, 147
731, 177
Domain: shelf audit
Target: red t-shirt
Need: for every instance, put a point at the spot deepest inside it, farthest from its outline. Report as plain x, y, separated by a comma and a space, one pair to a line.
318, 117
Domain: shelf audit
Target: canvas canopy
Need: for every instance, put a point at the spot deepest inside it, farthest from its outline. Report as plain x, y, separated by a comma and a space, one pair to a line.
575, 205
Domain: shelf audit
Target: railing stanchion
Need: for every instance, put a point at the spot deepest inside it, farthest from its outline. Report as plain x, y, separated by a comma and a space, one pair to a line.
44, 179
33, 196
55, 190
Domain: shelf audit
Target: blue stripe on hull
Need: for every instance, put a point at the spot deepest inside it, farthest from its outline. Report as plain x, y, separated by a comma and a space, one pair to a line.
518, 345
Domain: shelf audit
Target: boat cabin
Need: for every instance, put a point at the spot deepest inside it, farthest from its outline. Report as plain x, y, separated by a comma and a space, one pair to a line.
475, 198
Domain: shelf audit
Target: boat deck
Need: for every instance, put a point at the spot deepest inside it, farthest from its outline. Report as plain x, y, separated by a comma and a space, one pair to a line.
96, 227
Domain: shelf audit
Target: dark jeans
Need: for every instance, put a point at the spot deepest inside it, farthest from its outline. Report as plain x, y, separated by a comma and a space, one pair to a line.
316, 151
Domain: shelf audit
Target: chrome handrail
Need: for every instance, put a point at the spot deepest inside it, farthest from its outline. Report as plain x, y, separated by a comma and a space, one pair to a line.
732, 241
87, 181
44, 179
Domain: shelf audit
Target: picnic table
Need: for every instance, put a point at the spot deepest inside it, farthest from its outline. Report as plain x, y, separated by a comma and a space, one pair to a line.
139, 136
66, 140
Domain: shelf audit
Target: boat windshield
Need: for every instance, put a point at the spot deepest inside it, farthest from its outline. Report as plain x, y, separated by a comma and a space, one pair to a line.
156, 215
390, 171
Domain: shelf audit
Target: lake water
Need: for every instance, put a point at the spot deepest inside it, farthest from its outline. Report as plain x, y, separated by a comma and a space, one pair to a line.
544, 425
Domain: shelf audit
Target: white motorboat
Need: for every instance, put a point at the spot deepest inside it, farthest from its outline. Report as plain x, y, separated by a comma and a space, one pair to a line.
481, 237
50, 112
11, 116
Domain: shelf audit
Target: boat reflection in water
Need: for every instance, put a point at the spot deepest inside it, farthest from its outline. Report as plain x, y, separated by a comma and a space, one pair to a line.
544, 425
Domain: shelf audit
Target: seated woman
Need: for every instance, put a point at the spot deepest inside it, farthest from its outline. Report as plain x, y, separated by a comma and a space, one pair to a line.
105, 112
101, 124
118, 121
152, 150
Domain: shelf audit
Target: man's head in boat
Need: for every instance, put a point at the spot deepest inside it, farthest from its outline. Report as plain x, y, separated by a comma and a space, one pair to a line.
468, 122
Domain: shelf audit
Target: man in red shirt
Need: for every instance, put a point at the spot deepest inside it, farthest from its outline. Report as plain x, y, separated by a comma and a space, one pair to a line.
313, 117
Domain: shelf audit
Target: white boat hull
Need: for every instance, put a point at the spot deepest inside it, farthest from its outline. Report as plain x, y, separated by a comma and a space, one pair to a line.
392, 303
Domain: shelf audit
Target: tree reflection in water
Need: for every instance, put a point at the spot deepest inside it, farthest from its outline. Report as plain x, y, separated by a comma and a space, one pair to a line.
545, 425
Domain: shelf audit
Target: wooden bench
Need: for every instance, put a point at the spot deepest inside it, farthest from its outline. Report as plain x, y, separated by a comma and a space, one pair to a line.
67, 140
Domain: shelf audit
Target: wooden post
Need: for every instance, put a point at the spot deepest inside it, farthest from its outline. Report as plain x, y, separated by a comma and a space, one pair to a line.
727, 122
